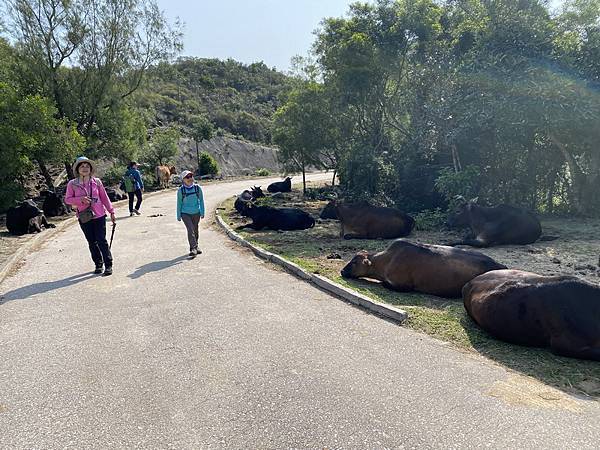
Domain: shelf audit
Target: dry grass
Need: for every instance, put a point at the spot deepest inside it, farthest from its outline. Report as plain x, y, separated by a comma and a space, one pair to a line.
577, 250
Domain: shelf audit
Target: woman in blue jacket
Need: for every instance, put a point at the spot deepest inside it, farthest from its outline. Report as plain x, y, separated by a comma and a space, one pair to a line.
190, 209
134, 187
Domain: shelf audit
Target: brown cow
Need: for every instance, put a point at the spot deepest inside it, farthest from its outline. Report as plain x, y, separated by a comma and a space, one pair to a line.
560, 312
363, 221
431, 269
163, 175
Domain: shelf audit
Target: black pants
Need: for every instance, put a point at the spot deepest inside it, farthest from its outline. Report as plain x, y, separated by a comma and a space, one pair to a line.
138, 194
95, 233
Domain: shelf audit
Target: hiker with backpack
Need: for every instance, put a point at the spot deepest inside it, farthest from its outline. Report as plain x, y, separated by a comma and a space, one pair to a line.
190, 209
134, 186
87, 194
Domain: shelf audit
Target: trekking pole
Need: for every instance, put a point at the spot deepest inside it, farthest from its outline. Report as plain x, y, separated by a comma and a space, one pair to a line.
112, 234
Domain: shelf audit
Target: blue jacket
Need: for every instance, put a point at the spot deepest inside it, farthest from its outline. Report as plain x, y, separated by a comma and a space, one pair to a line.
190, 200
139, 184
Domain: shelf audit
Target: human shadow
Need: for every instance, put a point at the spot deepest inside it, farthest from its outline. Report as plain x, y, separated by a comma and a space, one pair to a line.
46, 286
155, 266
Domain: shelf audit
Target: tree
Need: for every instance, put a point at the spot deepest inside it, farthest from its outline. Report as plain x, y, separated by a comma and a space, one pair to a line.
90, 55
29, 133
303, 129
200, 129
163, 147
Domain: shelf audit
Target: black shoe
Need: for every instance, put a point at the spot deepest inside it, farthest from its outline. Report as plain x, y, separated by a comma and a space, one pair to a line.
98, 269
107, 271
198, 251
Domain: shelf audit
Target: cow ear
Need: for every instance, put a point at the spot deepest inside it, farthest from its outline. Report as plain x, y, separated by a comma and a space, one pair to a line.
367, 262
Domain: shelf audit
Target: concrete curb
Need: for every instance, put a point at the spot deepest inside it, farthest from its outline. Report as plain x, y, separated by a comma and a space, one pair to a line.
326, 284
40, 238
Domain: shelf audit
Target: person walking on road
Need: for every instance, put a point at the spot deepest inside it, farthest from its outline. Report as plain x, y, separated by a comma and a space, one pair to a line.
87, 194
134, 185
190, 209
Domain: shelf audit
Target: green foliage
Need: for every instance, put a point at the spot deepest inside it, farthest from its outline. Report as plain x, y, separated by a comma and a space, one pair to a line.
30, 133
430, 219
201, 128
464, 183
208, 165
162, 148
263, 172
114, 175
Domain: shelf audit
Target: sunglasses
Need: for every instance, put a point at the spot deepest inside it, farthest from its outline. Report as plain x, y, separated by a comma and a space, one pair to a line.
188, 176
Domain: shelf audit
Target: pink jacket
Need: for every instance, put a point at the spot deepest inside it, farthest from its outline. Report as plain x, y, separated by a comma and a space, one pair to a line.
100, 201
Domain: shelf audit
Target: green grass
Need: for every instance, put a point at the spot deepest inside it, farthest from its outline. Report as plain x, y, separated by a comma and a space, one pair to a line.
441, 318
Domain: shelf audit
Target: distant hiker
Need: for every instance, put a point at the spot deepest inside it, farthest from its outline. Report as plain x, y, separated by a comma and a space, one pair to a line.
134, 186
87, 194
190, 208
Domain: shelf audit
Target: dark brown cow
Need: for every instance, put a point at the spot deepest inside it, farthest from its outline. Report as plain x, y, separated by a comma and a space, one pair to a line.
560, 312
431, 269
363, 221
497, 225
163, 175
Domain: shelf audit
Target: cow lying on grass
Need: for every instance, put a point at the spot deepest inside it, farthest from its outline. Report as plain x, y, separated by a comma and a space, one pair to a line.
363, 221
497, 225
560, 312
281, 186
277, 218
430, 269
26, 218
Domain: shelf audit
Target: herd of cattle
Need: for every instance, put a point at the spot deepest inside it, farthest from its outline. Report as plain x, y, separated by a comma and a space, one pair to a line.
560, 312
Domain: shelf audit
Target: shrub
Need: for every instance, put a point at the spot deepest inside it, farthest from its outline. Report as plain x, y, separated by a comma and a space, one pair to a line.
208, 165
114, 175
430, 219
465, 183
263, 172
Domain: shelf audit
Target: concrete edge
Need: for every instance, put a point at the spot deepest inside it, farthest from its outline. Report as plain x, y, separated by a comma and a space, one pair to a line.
324, 283
47, 234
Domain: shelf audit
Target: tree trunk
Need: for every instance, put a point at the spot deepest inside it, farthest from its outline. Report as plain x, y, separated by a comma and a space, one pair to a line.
577, 177
303, 179
456, 160
69, 169
46, 175
333, 179
198, 158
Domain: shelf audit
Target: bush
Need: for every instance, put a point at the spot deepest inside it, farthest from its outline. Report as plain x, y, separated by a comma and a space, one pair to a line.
262, 172
430, 219
208, 165
114, 175
322, 193
465, 183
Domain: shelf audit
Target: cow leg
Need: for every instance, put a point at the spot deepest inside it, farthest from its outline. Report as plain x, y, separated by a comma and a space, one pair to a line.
354, 236
46, 223
34, 225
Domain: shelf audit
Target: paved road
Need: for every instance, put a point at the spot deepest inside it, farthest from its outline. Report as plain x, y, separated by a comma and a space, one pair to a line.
226, 351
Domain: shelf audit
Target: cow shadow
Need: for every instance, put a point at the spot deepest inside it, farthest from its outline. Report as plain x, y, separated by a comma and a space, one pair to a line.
24, 292
576, 377
156, 266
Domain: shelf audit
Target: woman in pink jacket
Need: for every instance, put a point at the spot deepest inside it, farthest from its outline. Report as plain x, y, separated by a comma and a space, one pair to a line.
87, 194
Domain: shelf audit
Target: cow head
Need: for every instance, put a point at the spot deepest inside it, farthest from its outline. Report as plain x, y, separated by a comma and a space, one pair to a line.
257, 192
330, 211
359, 266
172, 170
461, 216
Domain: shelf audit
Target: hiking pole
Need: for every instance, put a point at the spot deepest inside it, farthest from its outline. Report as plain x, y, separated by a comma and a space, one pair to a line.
112, 234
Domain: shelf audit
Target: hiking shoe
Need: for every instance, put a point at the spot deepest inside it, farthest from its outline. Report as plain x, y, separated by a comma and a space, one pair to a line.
193, 252
98, 269
198, 251
107, 272
131, 214
137, 212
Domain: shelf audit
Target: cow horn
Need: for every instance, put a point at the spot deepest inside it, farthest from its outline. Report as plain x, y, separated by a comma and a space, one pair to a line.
474, 200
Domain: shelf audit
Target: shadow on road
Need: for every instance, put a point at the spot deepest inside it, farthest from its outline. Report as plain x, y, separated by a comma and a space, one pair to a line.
46, 286
155, 267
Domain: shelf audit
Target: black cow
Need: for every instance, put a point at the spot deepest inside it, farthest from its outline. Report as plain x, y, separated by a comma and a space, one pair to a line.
496, 225
246, 198
26, 218
115, 194
54, 204
278, 218
281, 186
560, 312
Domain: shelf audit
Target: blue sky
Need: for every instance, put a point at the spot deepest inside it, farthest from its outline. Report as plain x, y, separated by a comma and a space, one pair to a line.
271, 31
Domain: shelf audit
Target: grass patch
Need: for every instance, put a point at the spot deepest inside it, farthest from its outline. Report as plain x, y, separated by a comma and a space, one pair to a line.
441, 318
